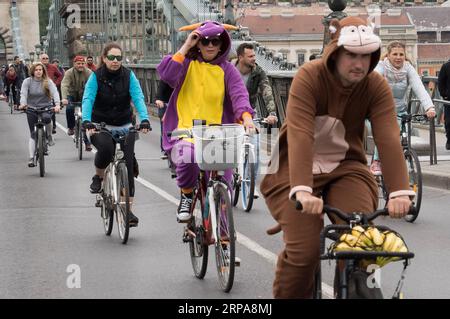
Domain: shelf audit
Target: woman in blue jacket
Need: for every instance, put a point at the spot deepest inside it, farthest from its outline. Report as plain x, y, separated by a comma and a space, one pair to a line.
107, 98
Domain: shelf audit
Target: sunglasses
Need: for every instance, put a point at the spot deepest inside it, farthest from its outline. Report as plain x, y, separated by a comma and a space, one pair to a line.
215, 42
111, 57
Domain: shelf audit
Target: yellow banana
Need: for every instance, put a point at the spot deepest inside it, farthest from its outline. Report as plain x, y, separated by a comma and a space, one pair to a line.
377, 237
342, 246
389, 242
349, 239
357, 231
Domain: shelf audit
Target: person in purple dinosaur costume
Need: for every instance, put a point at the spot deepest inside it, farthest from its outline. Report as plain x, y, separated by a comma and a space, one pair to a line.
206, 87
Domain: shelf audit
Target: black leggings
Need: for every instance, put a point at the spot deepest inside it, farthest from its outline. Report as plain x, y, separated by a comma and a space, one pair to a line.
32, 118
105, 153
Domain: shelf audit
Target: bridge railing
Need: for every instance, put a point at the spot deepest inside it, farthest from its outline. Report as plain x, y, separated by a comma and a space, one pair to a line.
280, 82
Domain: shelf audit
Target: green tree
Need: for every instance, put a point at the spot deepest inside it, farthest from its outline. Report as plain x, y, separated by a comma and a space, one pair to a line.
43, 15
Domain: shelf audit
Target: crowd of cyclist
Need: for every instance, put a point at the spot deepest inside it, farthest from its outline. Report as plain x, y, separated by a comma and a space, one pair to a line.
110, 91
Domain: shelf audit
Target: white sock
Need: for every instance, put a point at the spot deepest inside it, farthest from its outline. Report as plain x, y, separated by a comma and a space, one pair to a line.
31, 147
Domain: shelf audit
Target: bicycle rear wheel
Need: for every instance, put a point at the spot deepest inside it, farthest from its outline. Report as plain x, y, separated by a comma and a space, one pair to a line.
122, 207
198, 247
107, 216
225, 244
41, 145
415, 181
248, 181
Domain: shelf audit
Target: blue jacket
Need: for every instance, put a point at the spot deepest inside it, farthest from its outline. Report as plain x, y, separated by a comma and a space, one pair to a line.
90, 96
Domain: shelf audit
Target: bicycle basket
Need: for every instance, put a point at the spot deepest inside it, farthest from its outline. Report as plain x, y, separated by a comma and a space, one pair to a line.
372, 240
217, 148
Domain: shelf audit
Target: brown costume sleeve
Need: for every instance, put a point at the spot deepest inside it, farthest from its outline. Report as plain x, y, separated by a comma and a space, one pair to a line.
300, 115
386, 133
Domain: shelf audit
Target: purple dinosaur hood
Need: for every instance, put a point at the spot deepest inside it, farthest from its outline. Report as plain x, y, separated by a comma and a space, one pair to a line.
212, 29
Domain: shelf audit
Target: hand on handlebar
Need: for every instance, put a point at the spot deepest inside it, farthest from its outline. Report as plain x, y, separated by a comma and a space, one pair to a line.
90, 127
431, 112
271, 119
311, 204
399, 206
57, 108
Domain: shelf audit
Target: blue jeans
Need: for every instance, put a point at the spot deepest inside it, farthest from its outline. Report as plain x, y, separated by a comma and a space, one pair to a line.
161, 112
376, 156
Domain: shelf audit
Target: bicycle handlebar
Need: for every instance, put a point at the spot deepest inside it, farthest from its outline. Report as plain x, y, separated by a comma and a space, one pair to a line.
102, 128
44, 109
406, 118
357, 217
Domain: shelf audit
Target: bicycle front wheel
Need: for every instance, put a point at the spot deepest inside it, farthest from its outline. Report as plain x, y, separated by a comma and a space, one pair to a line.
248, 181
198, 247
415, 181
382, 192
41, 145
225, 243
123, 203
79, 137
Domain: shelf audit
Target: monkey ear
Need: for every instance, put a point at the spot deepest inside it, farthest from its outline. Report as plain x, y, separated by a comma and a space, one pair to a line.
335, 28
190, 27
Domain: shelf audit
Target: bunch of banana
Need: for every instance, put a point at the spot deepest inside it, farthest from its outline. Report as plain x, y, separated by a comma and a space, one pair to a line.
371, 239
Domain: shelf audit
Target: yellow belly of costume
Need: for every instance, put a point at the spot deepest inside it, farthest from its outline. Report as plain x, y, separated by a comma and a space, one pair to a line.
202, 95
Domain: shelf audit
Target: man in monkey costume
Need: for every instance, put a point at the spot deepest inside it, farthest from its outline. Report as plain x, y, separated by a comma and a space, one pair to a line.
321, 156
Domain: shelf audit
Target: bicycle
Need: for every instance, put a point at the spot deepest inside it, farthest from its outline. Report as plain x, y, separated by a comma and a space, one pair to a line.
244, 176
115, 194
212, 215
11, 99
350, 281
41, 137
413, 166
78, 136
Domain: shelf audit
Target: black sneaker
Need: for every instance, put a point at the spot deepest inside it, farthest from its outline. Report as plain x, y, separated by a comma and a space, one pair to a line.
184, 208
133, 220
96, 185
31, 162
447, 146
54, 130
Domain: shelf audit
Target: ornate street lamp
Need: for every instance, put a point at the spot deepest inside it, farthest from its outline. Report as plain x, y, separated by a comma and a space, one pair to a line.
31, 54
337, 6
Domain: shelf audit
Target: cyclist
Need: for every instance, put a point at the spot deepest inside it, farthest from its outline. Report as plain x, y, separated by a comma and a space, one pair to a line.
90, 63
321, 150
207, 87
256, 82
400, 75
54, 75
21, 70
162, 98
11, 82
107, 98
72, 88
38, 91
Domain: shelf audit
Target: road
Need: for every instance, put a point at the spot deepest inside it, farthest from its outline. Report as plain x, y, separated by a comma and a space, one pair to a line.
51, 233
